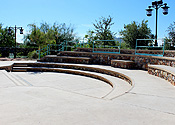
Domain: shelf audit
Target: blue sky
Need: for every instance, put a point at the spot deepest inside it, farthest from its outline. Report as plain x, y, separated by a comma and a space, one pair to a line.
82, 13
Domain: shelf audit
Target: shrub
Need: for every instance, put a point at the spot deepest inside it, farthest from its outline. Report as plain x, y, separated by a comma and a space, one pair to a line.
32, 55
20, 54
125, 45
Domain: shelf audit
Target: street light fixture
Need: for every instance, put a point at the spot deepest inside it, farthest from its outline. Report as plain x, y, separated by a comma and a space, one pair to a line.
149, 11
9, 32
165, 9
156, 5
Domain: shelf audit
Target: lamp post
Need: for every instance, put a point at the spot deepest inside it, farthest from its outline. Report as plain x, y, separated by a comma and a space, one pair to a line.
9, 32
156, 5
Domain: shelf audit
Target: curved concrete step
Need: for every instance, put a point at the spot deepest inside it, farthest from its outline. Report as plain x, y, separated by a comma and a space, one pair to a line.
120, 86
81, 67
162, 71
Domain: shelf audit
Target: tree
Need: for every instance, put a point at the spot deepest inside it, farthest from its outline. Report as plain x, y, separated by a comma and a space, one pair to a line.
35, 37
62, 32
103, 30
46, 34
171, 33
135, 31
90, 37
6, 40
167, 44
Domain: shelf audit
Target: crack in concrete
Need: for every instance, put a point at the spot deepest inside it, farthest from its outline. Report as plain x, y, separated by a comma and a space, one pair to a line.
143, 107
150, 95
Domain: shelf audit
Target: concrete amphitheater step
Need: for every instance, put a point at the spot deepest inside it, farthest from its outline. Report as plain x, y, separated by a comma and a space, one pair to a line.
66, 59
127, 64
163, 67
79, 67
119, 86
151, 100
162, 71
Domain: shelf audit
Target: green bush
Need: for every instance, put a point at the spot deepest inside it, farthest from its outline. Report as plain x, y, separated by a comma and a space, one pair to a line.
125, 45
32, 55
0, 55
20, 54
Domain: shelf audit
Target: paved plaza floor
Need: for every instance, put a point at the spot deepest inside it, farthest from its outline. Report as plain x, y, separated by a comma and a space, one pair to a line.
38, 98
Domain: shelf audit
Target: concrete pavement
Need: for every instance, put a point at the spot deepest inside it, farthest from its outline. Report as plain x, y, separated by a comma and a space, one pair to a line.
64, 99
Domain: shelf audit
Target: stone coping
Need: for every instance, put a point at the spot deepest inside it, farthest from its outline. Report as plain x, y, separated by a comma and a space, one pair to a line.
125, 61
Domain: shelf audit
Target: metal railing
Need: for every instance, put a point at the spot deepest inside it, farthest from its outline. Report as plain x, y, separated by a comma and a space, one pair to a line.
75, 44
106, 46
50, 48
149, 46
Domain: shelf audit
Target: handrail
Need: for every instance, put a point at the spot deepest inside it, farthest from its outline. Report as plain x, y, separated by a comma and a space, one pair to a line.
67, 44
41, 54
145, 54
48, 49
107, 46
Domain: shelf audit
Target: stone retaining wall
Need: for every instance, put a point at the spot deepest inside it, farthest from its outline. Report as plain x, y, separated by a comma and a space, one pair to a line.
63, 59
123, 64
162, 74
167, 53
140, 60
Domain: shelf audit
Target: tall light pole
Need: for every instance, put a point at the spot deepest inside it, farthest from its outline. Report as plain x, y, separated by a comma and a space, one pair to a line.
156, 5
9, 32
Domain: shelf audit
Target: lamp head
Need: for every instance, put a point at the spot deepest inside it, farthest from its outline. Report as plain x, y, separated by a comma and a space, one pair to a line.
165, 9
21, 31
9, 31
149, 11
160, 2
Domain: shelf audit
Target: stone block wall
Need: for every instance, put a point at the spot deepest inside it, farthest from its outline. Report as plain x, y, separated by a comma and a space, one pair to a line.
65, 59
122, 64
167, 53
140, 60
162, 74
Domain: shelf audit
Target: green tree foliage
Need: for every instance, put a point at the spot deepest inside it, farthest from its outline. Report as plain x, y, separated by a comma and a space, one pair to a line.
46, 34
103, 30
171, 33
90, 37
167, 43
135, 31
6, 40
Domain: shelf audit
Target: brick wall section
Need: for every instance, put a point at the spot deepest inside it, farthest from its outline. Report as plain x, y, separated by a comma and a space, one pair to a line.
162, 74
